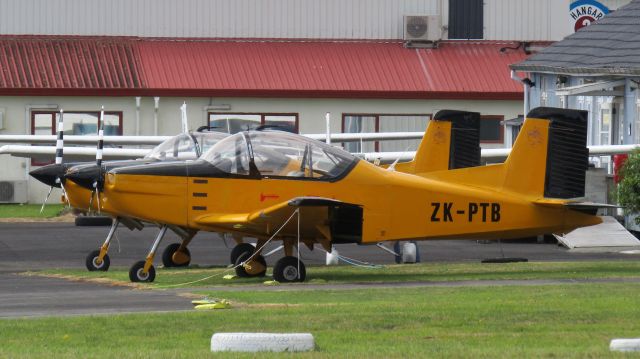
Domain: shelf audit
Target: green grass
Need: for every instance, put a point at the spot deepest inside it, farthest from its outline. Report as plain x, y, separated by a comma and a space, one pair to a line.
557, 321
29, 210
429, 272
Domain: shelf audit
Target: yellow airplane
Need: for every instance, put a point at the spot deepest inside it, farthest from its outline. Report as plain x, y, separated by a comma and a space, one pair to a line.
452, 140
253, 183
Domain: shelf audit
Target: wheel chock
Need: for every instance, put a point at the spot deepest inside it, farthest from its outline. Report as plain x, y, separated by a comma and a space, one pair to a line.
208, 304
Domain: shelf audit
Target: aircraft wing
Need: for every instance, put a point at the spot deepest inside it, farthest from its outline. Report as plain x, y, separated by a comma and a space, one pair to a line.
155, 140
491, 154
322, 219
46, 153
84, 139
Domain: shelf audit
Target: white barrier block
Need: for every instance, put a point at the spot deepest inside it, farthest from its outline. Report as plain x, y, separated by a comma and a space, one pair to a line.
262, 342
332, 258
625, 345
409, 251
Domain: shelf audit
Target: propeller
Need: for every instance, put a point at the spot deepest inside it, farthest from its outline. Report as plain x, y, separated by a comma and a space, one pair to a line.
98, 178
53, 174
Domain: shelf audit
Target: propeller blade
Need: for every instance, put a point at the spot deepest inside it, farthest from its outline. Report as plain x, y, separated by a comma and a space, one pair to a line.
100, 138
60, 141
98, 199
96, 187
46, 199
91, 201
59, 154
64, 193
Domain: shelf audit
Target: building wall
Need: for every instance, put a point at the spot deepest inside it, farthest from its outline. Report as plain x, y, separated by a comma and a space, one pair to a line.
311, 116
525, 20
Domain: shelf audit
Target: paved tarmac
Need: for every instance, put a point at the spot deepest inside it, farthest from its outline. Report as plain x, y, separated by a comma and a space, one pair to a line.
32, 246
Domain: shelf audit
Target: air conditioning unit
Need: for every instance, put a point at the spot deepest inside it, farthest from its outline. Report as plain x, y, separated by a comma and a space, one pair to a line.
422, 28
13, 191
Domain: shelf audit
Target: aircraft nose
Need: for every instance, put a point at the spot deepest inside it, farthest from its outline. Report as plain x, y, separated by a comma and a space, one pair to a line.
48, 174
85, 176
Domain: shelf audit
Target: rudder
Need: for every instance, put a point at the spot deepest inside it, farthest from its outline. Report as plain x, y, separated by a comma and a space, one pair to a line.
451, 141
550, 156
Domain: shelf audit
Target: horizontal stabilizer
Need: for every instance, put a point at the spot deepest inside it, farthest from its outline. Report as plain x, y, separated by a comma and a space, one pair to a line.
605, 237
573, 205
590, 205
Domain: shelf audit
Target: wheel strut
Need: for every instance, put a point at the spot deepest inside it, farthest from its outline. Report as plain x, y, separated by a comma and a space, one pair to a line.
104, 249
148, 262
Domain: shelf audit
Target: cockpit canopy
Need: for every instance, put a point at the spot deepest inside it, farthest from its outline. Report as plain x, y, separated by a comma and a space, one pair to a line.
278, 154
185, 146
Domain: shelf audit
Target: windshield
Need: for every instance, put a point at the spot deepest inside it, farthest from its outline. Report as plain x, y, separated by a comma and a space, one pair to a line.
230, 155
279, 154
207, 139
182, 147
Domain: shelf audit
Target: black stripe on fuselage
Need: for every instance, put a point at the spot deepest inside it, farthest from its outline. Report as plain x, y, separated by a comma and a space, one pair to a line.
204, 169
198, 168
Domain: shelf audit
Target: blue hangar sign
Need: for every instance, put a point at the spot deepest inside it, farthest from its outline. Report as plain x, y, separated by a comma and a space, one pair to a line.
584, 12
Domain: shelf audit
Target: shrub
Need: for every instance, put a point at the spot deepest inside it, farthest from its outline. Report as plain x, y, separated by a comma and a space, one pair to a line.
629, 186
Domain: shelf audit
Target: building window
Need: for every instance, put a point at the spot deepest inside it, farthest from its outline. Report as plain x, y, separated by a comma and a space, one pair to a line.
605, 126
75, 123
236, 122
364, 123
491, 129
466, 19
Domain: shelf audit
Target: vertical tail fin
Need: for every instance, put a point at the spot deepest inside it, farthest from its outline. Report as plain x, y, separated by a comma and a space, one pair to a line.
550, 156
452, 140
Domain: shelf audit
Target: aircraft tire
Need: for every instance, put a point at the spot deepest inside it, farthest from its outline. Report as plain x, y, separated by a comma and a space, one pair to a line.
286, 270
93, 266
242, 273
136, 275
167, 256
240, 249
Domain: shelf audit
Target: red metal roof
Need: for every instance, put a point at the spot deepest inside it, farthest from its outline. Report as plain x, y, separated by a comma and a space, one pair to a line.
472, 69
255, 68
47, 65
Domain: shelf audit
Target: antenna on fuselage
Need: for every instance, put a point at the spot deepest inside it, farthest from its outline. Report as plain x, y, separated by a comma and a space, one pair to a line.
183, 113
392, 167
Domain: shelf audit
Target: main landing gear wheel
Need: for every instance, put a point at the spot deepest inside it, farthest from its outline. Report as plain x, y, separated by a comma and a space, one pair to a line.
136, 273
94, 264
240, 249
172, 258
286, 270
258, 261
